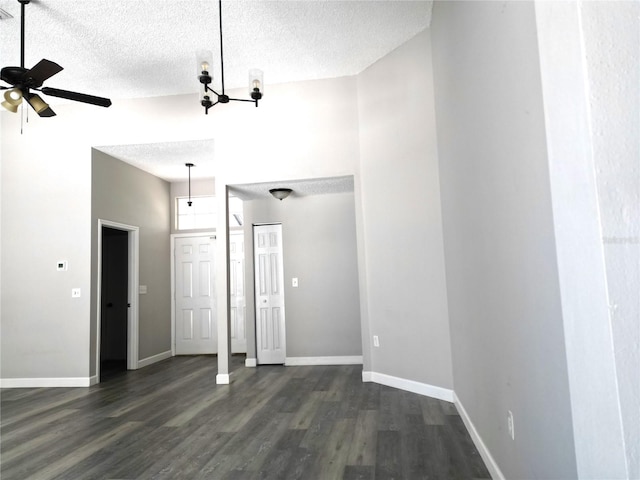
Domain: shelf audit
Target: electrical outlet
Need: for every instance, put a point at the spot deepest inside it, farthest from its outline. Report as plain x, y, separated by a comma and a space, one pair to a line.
510, 425
376, 341
294, 282
75, 293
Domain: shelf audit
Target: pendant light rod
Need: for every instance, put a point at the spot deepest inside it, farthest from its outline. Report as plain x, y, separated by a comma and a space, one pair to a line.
23, 3
221, 53
189, 165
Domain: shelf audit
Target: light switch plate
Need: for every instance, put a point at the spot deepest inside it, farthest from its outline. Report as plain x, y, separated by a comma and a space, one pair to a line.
294, 282
142, 289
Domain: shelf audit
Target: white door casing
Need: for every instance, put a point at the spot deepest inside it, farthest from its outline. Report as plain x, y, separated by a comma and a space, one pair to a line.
269, 294
237, 293
195, 310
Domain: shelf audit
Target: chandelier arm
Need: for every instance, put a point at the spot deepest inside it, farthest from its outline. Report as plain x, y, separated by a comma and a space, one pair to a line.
243, 100
221, 54
207, 89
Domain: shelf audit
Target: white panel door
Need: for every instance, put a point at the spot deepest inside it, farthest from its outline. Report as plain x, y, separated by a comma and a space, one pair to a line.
238, 306
269, 285
195, 316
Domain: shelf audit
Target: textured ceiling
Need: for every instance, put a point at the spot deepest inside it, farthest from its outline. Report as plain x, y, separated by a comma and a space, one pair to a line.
144, 48
301, 188
167, 160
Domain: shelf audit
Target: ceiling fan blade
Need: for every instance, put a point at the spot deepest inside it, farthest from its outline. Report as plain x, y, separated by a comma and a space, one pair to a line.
78, 97
39, 105
42, 70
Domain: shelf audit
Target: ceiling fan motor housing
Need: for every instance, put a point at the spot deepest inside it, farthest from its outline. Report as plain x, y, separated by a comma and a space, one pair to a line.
15, 76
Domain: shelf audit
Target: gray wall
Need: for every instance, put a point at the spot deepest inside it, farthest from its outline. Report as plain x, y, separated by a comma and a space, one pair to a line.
124, 194
319, 242
502, 279
400, 195
45, 218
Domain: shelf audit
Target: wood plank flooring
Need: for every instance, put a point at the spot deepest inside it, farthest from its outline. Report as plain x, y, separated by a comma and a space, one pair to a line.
171, 421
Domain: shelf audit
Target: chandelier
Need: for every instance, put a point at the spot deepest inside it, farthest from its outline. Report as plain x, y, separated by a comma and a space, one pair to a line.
205, 60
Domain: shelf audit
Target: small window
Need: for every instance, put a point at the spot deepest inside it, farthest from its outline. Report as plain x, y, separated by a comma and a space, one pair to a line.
202, 214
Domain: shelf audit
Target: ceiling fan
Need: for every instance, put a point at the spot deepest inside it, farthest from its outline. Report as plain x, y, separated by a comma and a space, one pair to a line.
24, 81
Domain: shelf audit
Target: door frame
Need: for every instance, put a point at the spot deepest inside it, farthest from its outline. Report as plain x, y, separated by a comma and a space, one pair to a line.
172, 262
133, 273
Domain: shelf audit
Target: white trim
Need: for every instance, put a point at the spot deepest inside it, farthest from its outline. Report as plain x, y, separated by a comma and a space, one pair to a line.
93, 380
145, 362
134, 275
343, 360
64, 382
223, 378
250, 362
172, 261
492, 466
425, 389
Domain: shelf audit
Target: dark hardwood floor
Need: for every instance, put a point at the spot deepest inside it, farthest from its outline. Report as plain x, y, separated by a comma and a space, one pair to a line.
171, 421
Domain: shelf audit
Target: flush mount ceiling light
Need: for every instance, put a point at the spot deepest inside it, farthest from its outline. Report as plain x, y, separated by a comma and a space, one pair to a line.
205, 60
189, 165
280, 193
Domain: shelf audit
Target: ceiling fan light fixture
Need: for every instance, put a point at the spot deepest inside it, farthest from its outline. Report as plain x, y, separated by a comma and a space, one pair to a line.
37, 103
26, 79
12, 99
280, 193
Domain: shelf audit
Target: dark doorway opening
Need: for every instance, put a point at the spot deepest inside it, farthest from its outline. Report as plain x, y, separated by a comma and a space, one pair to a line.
114, 302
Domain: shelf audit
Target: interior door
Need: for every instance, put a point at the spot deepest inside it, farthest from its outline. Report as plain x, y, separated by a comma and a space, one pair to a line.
269, 289
238, 304
195, 329
114, 301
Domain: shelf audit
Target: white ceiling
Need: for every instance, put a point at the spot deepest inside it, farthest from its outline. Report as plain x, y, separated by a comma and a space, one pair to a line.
144, 48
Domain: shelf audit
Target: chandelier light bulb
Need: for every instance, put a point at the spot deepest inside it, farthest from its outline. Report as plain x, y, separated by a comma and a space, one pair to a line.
204, 67
255, 84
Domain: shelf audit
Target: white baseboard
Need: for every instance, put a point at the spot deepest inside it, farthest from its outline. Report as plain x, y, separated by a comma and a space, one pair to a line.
145, 362
93, 380
492, 466
65, 382
338, 360
250, 362
223, 379
409, 385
